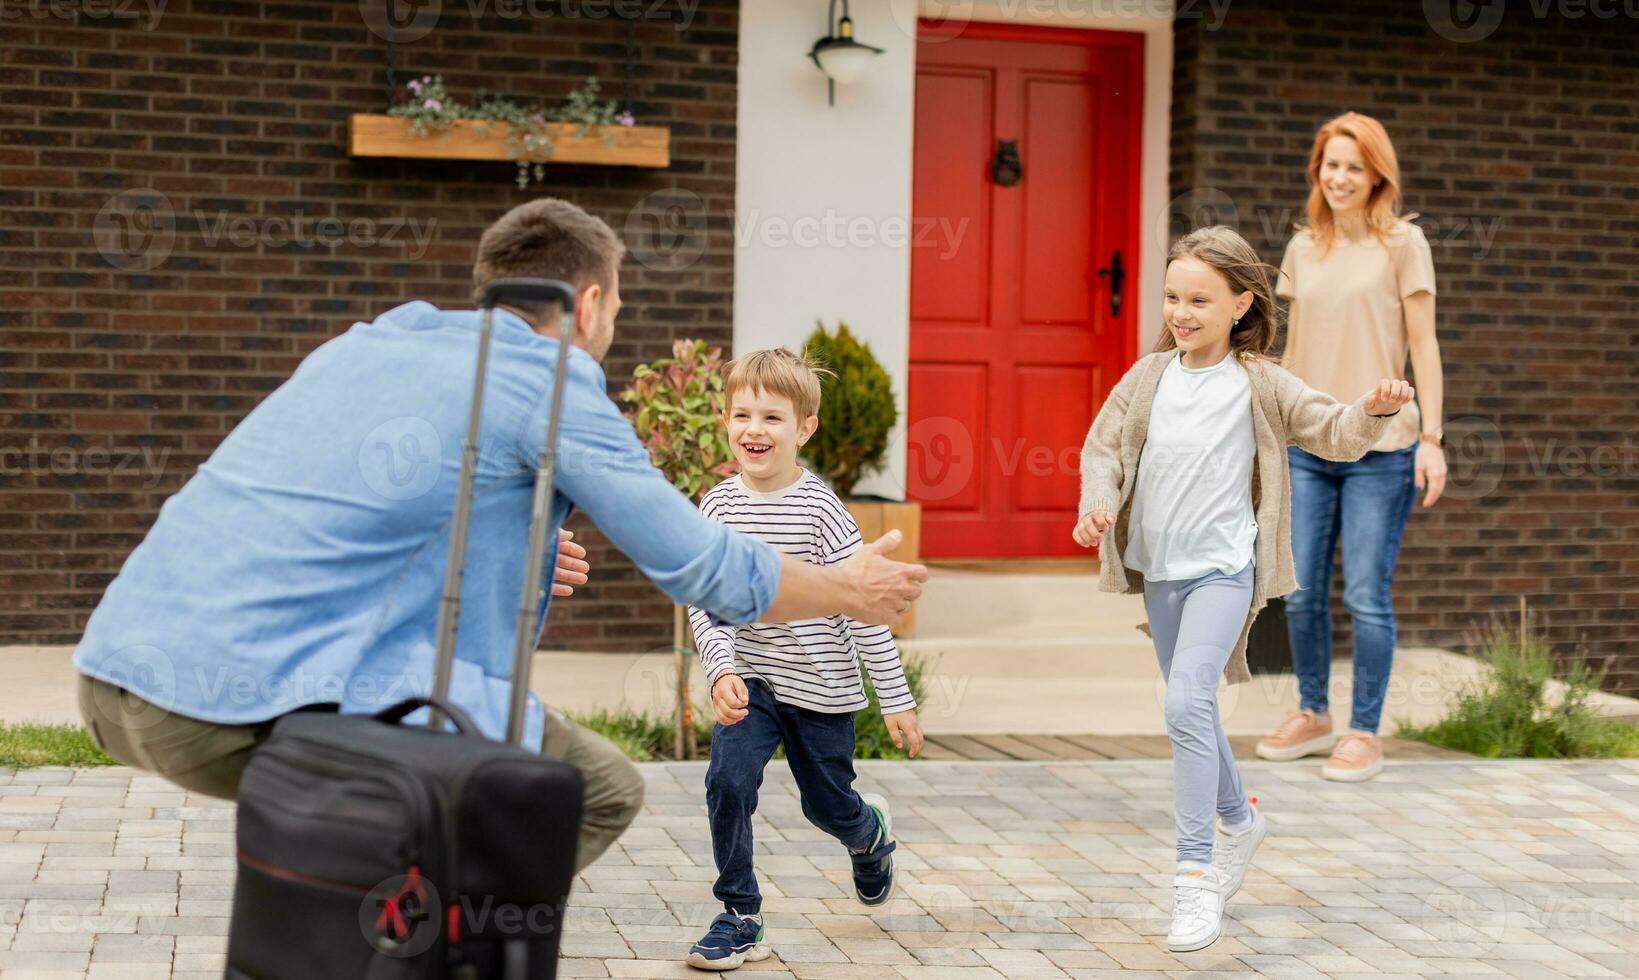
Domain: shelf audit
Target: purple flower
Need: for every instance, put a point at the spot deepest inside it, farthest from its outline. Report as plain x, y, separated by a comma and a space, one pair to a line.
625, 119
415, 87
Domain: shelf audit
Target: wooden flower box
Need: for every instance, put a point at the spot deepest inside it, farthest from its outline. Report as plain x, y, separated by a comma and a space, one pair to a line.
877, 517
473, 139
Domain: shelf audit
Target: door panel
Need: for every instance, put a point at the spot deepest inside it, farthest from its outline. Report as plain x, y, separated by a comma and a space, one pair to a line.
942, 461
1050, 454
1057, 249
952, 253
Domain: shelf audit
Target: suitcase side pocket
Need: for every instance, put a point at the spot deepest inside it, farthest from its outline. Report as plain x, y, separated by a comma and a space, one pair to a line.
304, 926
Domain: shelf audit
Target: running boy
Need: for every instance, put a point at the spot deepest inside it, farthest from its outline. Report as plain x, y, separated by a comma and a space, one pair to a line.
796, 683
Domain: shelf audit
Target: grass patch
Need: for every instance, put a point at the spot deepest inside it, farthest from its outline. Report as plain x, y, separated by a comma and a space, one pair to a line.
649, 738
642, 736
29, 745
1509, 713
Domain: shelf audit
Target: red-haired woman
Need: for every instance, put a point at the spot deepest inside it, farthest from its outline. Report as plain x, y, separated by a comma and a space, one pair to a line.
1360, 283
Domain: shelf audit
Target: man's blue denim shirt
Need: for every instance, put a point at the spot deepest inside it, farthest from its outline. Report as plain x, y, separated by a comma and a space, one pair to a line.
304, 561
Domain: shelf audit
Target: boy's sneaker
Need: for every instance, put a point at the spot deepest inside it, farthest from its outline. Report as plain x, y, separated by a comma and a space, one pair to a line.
732, 940
1232, 854
873, 867
1303, 733
1197, 909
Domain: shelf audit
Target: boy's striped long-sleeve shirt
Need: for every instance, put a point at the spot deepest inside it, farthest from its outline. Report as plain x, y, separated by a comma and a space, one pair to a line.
809, 663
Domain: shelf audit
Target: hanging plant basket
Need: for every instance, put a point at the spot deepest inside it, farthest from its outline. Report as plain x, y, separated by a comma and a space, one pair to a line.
473, 139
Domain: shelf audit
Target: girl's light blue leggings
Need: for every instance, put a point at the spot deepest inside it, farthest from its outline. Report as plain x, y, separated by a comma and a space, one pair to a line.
1195, 624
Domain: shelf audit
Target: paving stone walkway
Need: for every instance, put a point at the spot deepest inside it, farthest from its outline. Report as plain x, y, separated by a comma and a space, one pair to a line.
1054, 748
1016, 869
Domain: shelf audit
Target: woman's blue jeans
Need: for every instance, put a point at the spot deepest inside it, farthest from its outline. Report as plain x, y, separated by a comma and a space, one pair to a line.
1366, 504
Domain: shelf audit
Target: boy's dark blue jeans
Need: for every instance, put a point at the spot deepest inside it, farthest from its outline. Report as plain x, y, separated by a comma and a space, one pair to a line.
820, 750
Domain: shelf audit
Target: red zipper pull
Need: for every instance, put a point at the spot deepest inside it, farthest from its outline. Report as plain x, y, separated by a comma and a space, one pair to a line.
391, 922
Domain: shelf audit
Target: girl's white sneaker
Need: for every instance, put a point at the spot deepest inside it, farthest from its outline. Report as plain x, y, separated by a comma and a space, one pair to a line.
1197, 909
1232, 853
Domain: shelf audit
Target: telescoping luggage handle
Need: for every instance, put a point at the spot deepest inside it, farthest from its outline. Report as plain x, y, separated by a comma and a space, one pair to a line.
532, 292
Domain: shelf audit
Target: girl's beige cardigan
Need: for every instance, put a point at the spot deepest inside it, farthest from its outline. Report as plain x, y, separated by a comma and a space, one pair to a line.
1285, 412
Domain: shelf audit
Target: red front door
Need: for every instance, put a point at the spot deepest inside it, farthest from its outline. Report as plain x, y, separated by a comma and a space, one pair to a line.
1025, 187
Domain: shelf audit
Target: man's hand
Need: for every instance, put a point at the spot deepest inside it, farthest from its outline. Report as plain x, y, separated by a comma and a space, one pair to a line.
905, 729
1431, 472
1092, 524
729, 698
1388, 397
882, 588
572, 565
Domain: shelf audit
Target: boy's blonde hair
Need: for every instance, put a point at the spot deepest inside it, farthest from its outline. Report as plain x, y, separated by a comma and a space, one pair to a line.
777, 371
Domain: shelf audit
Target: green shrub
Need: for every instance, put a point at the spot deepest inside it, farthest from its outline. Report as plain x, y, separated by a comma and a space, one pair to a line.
27, 745
648, 738
1507, 712
857, 410
677, 406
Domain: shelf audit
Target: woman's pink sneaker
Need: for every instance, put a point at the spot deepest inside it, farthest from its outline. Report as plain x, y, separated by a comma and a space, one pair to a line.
1357, 758
1303, 734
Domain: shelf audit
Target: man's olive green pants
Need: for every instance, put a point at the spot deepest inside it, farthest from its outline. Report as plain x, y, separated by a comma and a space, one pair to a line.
208, 757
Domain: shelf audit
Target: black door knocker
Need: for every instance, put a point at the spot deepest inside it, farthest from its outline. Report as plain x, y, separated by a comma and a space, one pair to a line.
1005, 168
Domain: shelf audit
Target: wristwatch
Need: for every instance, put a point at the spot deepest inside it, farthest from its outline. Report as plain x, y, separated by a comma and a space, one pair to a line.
1436, 438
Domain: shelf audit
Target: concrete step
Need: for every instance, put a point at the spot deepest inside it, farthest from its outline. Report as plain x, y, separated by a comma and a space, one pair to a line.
962, 603
1073, 747
1108, 655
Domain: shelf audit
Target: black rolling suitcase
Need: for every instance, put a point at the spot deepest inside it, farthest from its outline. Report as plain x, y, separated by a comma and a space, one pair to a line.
373, 850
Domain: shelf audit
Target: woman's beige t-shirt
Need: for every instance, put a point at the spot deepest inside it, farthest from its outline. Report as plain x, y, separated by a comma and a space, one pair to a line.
1348, 327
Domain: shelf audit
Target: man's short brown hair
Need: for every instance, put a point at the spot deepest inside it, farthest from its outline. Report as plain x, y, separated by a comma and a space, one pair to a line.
548, 238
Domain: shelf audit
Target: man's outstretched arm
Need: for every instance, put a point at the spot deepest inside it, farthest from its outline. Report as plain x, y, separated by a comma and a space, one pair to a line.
869, 587
696, 561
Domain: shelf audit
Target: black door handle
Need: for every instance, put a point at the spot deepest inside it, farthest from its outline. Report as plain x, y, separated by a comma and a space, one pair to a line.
1117, 275
1006, 169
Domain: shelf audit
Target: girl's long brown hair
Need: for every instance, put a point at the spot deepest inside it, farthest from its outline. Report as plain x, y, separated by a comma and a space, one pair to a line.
1383, 201
1223, 248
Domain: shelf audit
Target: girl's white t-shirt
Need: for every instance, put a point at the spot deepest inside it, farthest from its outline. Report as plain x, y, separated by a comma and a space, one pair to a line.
1192, 508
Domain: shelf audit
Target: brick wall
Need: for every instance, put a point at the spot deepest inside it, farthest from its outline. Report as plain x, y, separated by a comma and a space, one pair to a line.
117, 381
1519, 149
